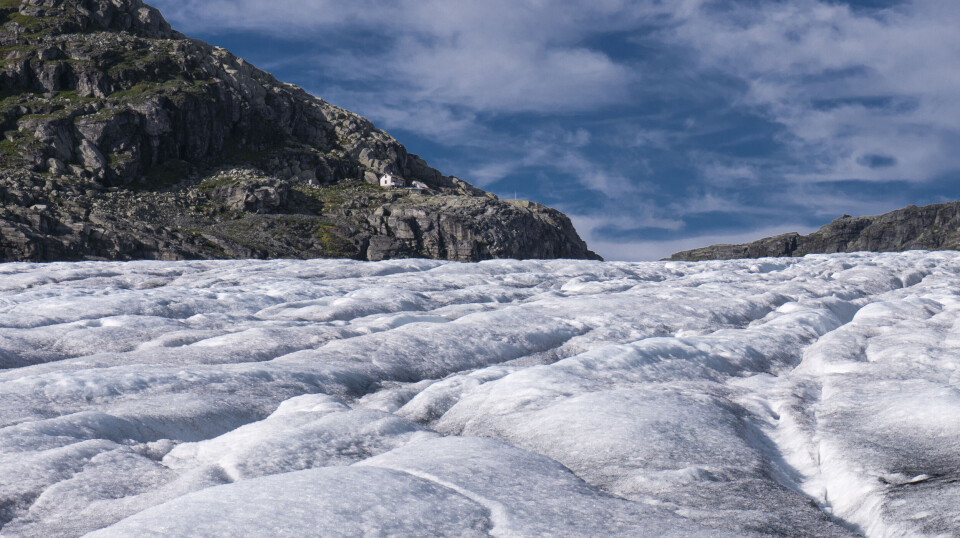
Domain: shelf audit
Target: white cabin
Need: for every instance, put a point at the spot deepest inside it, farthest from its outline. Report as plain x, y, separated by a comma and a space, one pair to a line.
388, 181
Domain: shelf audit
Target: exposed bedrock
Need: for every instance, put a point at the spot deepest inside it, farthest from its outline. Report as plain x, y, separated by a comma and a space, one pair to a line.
932, 227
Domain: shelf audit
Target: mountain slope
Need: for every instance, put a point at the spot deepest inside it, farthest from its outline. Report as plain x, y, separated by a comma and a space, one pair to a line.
932, 227
124, 139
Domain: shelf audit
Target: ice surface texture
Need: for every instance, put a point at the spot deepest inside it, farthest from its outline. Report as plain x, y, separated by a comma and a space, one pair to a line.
805, 397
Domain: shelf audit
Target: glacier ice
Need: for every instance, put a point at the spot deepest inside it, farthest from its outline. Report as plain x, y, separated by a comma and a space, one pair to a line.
817, 396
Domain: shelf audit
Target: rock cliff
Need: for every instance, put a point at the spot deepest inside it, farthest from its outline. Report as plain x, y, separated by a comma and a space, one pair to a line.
932, 227
124, 139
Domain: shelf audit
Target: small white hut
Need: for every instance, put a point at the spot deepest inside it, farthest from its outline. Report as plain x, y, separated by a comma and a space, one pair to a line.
389, 181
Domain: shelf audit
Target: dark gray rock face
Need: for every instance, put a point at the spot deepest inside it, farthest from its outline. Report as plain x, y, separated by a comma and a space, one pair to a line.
932, 227
265, 195
142, 143
473, 228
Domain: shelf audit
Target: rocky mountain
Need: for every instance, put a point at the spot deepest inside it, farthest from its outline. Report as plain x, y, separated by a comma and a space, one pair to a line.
124, 139
932, 227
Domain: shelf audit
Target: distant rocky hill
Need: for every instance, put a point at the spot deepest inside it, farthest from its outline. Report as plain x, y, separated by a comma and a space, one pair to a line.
123, 139
932, 227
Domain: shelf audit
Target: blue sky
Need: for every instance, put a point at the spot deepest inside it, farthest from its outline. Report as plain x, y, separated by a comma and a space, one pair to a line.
656, 125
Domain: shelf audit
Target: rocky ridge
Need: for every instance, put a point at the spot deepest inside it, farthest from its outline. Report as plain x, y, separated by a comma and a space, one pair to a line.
123, 139
932, 227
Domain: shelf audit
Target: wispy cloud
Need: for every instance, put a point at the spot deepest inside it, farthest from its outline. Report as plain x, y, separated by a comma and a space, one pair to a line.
562, 156
499, 56
847, 84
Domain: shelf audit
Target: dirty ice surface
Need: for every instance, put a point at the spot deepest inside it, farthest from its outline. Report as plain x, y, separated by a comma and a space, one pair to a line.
800, 397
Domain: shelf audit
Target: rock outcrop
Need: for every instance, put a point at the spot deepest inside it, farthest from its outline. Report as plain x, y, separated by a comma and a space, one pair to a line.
124, 139
932, 227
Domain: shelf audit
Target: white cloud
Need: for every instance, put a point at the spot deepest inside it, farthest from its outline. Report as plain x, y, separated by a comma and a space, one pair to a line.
511, 76
555, 152
444, 124
496, 56
645, 215
795, 56
491, 172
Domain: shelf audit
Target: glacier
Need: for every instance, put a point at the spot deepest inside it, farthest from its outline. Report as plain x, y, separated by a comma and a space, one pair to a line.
817, 396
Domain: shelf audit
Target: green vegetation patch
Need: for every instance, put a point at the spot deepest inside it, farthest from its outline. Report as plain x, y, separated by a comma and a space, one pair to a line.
200, 236
20, 50
58, 113
13, 101
119, 159
35, 26
213, 183
15, 143
103, 115
30, 23
341, 194
333, 244
9, 148
71, 96
142, 90
243, 231
156, 64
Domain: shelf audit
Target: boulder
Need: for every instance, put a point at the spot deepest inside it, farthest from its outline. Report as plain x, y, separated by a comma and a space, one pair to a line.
264, 195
